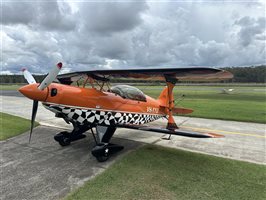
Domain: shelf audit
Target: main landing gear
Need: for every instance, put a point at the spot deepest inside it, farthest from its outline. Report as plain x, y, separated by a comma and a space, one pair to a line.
65, 138
102, 150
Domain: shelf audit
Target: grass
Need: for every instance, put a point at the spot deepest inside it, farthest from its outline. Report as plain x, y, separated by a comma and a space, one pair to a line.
246, 104
12, 126
154, 172
10, 87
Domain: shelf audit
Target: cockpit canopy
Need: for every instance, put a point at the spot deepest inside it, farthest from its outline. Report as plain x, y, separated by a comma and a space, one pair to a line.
128, 92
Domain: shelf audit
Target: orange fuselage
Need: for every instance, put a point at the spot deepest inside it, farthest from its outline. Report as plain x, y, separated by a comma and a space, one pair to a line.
91, 106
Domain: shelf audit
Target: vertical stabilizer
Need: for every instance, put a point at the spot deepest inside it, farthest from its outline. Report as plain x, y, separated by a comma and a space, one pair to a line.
171, 125
166, 100
163, 98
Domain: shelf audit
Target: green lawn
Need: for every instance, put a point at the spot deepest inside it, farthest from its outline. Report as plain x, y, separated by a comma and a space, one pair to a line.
12, 125
243, 104
10, 87
154, 172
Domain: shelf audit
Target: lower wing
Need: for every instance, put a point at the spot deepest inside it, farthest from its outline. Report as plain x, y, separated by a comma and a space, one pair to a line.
178, 132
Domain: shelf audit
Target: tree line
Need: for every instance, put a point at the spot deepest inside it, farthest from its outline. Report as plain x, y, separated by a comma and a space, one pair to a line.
253, 74
9, 79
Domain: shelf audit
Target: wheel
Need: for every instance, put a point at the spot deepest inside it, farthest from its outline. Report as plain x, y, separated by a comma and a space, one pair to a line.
64, 141
60, 135
63, 138
102, 158
101, 152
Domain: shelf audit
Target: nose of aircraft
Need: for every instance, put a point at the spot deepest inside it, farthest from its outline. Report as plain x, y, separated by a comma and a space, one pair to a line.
31, 91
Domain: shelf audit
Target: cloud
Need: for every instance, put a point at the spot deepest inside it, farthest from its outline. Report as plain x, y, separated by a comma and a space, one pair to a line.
114, 47
108, 17
17, 12
97, 35
251, 29
45, 15
213, 53
52, 18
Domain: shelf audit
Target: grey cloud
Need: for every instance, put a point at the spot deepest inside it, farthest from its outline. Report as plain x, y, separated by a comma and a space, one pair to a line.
213, 53
245, 21
251, 29
50, 17
109, 17
79, 48
17, 12
113, 47
133, 34
187, 52
33, 49
44, 15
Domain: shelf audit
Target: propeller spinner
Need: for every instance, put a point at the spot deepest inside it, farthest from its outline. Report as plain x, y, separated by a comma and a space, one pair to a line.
38, 92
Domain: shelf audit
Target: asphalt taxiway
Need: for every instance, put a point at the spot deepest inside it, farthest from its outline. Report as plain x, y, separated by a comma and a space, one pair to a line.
45, 170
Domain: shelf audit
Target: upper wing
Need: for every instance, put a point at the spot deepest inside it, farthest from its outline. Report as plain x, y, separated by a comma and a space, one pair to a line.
181, 74
178, 132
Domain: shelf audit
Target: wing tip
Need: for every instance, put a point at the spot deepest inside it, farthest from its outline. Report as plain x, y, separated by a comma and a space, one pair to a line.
226, 75
215, 135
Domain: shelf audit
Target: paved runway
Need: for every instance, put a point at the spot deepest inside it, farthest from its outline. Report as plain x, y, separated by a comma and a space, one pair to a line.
10, 93
45, 170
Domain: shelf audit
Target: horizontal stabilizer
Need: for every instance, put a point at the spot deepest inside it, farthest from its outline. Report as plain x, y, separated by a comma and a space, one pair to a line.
178, 132
181, 111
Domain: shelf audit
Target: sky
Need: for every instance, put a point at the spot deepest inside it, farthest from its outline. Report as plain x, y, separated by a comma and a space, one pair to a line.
86, 35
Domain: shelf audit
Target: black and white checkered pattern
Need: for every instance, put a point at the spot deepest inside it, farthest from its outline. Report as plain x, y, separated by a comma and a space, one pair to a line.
101, 117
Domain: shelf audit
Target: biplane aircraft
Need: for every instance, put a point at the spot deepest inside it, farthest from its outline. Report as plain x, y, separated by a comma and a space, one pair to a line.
105, 108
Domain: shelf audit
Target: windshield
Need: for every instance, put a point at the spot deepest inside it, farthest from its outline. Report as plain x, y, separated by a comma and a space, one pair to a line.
128, 92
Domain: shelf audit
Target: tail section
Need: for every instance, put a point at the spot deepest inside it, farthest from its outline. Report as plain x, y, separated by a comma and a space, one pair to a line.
163, 98
166, 100
181, 111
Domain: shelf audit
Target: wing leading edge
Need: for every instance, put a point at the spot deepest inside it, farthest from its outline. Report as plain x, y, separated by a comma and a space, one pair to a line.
178, 132
181, 74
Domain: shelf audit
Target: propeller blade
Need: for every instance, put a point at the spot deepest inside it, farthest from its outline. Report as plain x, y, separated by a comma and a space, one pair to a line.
33, 116
50, 77
27, 75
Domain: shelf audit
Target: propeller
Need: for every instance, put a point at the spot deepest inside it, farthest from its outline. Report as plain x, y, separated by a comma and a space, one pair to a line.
33, 116
28, 76
50, 77
44, 84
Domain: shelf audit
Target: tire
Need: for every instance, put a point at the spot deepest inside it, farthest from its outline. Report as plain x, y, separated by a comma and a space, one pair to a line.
61, 135
64, 141
102, 158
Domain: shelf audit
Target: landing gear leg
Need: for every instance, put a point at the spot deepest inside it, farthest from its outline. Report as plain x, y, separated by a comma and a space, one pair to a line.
103, 149
65, 138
